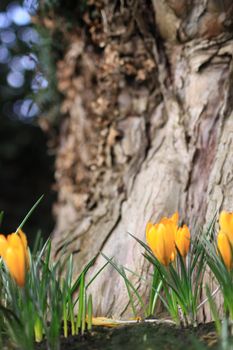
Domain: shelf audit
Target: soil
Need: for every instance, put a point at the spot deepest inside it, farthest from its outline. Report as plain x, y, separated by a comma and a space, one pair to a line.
142, 336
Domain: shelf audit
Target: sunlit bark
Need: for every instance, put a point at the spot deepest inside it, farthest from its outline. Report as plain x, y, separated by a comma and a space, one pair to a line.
148, 130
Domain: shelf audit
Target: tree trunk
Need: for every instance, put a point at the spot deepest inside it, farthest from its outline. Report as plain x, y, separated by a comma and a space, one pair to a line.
148, 130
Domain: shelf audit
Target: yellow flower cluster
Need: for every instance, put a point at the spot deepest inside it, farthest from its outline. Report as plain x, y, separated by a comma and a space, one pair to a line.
14, 252
165, 237
225, 238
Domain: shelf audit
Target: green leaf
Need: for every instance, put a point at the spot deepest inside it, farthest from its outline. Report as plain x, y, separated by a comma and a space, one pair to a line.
126, 281
89, 313
1, 217
29, 213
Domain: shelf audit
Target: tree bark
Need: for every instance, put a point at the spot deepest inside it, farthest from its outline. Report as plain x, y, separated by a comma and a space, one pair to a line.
148, 130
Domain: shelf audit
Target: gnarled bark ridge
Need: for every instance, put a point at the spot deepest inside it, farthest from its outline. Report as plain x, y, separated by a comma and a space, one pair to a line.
148, 130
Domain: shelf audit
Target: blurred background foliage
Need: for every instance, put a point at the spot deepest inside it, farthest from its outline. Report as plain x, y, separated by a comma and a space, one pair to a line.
27, 88
33, 38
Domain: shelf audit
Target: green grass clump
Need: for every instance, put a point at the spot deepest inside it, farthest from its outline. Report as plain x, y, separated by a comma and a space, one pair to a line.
53, 301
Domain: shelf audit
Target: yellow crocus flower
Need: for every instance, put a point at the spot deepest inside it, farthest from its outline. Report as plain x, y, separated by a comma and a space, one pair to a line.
14, 251
164, 237
161, 239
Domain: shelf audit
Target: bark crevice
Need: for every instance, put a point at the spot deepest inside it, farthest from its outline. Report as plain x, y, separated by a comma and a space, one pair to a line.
151, 136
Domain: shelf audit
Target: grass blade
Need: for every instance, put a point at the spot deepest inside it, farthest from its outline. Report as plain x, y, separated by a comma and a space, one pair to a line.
129, 283
89, 313
29, 213
1, 217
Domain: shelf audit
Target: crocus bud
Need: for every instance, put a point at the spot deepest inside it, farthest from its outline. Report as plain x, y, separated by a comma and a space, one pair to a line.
14, 252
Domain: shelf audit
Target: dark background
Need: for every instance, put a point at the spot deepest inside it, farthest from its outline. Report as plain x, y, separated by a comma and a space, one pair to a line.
26, 164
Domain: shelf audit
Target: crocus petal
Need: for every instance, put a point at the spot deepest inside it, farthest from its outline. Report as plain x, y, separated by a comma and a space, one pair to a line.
164, 244
170, 225
169, 239
25, 246
182, 240
104, 322
154, 238
160, 245
226, 224
224, 248
14, 240
3, 245
151, 237
175, 218
14, 259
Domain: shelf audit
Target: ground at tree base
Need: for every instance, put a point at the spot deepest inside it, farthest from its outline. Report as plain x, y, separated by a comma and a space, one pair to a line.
143, 336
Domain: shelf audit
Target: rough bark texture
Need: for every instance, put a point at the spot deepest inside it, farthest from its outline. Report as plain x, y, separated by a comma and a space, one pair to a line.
148, 129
